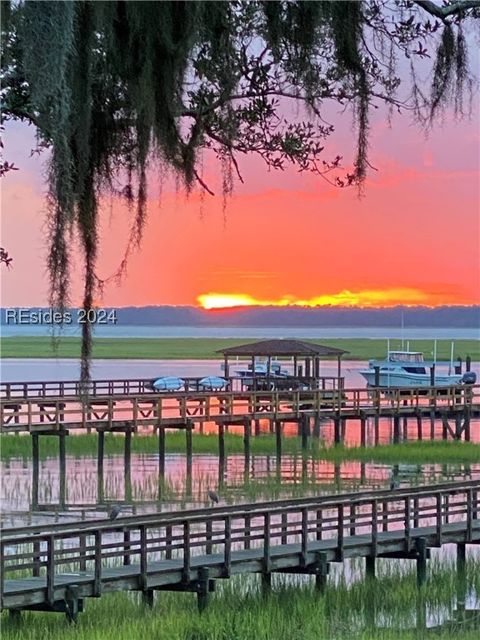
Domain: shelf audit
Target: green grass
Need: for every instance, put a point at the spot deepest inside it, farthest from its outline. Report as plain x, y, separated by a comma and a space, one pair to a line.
196, 348
12, 446
292, 611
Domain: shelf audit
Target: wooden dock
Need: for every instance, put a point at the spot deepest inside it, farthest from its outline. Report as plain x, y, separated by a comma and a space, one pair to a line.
120, 411
55, 567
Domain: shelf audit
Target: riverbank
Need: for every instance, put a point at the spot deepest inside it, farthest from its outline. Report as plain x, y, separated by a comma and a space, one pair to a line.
12, 446
207, 348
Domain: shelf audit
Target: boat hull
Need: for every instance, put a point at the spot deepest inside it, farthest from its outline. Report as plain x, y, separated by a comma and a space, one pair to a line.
409, 380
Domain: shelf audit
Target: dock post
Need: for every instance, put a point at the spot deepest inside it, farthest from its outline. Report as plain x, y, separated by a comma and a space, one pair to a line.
127, 463
396, 429
35, 470
305, 431
100, 458
189, 445
62, 466
421, 545
257, 427
161, 450
321, 573
278, 441
266, 583
419, 426
363, 430
316, 426
203, 584
432, 423
127, 455
376, 427
444, 426
370, 562
466, 424
461, 577
337, 436
148, 598
246, 448
221, 443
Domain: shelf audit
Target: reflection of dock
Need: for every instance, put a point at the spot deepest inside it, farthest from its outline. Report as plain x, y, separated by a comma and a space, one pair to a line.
188, 551
310, 411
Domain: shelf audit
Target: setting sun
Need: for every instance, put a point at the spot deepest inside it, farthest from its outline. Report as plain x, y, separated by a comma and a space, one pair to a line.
368, 298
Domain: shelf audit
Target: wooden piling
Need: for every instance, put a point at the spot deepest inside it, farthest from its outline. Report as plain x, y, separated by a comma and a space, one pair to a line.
221, 443
62, 465
127, 464
35, 470
100, 460
370, 562
421, 547
337, 436
321, 572
189, 445
396, 429
278, 441
363, 430
161, 451
203, 584
419, 426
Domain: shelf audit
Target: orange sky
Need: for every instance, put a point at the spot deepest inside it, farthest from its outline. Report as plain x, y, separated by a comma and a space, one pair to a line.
285, 237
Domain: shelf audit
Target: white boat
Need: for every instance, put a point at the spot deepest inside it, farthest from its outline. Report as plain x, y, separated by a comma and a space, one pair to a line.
409, 369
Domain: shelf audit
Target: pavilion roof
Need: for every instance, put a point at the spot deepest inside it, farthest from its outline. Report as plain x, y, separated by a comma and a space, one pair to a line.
282, 348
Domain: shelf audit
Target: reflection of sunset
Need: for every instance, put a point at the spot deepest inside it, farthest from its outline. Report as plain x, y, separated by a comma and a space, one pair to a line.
368, 298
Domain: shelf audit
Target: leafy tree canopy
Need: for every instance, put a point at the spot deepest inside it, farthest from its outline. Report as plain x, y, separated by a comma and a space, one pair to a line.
110, 85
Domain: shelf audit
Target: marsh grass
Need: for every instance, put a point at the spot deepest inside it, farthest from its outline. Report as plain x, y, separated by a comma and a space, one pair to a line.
13, 446
381, 609
200, 348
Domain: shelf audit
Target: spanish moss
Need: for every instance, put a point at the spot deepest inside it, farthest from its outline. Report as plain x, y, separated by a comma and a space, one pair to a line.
114, 87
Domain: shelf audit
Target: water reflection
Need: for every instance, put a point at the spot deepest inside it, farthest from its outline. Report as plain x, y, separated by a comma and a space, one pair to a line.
237, 480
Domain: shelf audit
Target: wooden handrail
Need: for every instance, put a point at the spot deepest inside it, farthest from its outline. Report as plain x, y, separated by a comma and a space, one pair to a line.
236, 528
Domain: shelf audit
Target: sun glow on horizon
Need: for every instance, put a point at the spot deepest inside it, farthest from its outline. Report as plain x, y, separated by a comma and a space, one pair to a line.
401, 296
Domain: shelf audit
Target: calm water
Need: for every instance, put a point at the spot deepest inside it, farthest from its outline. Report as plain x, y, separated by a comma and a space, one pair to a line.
43, 369
235, 483
134, 331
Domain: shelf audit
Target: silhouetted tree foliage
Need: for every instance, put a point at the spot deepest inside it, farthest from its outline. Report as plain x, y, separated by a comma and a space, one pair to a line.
110, 85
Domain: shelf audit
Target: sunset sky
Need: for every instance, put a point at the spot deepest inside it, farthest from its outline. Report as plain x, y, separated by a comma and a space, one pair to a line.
285, 238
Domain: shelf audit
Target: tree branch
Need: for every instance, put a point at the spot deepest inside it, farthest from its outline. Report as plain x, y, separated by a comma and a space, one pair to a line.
449, 10
204, 185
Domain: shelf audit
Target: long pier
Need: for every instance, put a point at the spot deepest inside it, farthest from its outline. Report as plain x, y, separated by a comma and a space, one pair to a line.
119, 411
56, 567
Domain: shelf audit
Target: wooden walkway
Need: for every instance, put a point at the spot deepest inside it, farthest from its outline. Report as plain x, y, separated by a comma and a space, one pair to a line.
139, 386
56, 567
175, 410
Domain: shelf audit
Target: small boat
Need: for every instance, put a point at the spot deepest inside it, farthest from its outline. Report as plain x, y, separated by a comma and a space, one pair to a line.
409, 369
260, 369
212, 383
168, 383
260, 378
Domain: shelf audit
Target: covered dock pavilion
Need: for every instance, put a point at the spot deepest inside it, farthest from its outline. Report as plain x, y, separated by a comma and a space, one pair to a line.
306, 356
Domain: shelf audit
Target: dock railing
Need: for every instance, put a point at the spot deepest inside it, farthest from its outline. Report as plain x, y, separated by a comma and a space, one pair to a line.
175, 408
251, 537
